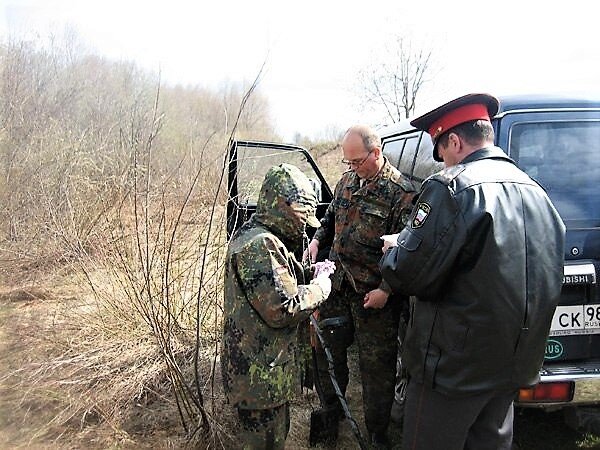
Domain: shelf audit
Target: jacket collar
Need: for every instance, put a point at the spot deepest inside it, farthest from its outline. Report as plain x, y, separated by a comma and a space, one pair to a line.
385, 170
491, 152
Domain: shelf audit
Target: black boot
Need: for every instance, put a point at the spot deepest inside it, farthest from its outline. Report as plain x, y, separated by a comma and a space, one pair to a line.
397, 412
379, 441
324, 426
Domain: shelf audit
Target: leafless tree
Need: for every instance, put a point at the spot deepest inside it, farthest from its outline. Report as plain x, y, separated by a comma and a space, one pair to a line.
394, 82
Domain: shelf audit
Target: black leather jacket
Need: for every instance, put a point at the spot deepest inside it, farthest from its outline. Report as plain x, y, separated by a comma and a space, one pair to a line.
483, 253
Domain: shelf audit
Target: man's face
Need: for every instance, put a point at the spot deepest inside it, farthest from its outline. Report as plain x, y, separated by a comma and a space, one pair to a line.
358, 157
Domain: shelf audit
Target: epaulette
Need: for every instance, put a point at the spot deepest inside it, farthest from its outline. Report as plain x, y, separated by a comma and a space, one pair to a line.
403, 182
447, 175
407, 185
397, 178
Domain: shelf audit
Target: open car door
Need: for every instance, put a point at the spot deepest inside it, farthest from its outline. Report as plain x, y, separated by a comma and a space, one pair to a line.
249, 161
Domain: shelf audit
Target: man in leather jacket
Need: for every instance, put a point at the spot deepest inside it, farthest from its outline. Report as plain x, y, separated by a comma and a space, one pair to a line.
483, 254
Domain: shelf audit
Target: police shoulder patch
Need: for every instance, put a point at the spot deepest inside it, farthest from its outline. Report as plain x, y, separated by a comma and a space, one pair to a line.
421, 213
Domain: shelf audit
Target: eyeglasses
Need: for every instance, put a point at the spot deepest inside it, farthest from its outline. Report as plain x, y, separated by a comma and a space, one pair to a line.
356, 163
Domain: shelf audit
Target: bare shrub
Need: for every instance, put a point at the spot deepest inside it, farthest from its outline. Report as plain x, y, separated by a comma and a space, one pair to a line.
70, 124
109, 174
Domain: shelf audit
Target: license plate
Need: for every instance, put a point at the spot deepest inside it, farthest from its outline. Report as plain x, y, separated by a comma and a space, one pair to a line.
576, 319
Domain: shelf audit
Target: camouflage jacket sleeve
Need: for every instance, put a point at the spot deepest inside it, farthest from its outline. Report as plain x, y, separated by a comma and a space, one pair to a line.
266, 275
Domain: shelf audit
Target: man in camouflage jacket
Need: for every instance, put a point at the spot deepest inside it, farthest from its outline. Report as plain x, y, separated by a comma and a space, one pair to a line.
266, 296
370, 200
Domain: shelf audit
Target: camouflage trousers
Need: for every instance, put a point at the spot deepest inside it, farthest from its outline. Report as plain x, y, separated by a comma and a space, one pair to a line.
264, 429
376, 333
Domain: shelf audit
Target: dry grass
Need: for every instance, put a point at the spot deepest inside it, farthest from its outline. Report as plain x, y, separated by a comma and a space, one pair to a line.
64, 373
70, 378
328, 156
102, 352
74, 375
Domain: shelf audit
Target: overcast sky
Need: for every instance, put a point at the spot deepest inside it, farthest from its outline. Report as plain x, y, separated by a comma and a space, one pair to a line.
314, 49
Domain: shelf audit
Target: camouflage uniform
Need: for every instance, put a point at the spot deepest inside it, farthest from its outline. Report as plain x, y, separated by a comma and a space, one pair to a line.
353, 225
264, 287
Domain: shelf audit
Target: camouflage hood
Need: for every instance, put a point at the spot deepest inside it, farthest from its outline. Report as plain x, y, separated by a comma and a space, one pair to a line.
287, 203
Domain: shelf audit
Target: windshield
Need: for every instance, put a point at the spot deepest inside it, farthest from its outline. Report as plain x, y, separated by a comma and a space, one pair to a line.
563, 158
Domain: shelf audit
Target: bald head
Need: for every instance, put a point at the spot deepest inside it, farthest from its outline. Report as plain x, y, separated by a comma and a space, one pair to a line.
367, 134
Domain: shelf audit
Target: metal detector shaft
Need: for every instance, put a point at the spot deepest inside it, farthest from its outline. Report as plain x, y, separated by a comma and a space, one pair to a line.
336, 386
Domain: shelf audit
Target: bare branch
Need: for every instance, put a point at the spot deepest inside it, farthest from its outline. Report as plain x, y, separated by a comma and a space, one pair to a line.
394, 83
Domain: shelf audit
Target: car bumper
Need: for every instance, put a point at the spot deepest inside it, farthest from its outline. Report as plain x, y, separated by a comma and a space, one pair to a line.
585, 381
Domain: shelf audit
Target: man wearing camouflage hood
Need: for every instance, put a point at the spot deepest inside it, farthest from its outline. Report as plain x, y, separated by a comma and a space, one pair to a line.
266, 295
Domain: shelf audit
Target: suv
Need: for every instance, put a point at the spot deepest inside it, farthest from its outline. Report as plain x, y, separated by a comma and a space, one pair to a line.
556, 141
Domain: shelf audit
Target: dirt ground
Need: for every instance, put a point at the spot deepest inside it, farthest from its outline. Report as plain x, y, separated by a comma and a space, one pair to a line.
29, 410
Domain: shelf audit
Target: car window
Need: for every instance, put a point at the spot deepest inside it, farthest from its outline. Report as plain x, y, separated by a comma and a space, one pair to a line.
425, 165
561, 157
408, 155
392, 149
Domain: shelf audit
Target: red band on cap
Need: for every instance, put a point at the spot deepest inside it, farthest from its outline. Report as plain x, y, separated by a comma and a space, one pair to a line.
457, 116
